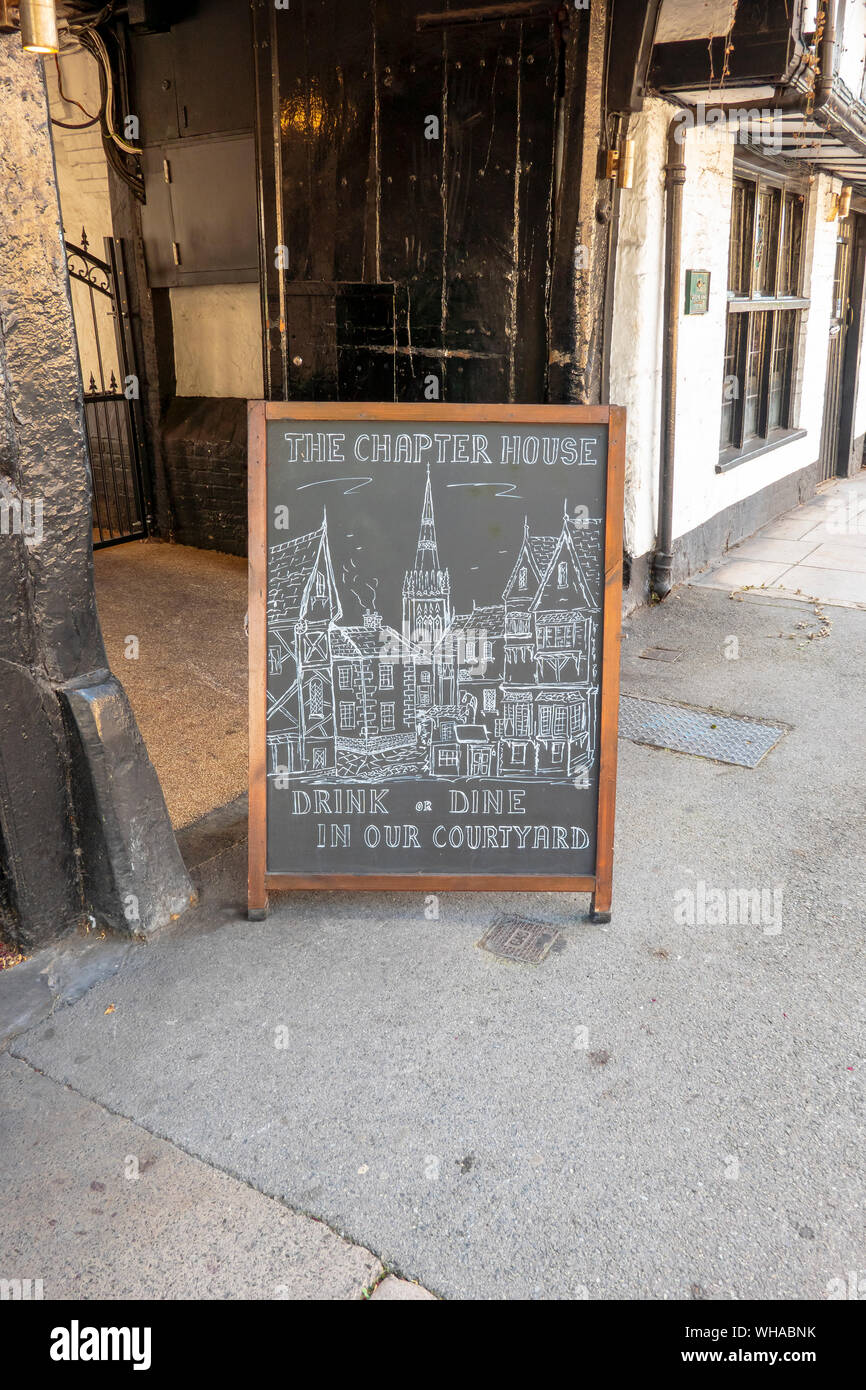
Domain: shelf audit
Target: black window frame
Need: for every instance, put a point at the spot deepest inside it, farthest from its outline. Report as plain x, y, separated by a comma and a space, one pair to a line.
745, 322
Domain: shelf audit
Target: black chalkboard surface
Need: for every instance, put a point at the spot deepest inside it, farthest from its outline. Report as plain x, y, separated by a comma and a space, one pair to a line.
434, 624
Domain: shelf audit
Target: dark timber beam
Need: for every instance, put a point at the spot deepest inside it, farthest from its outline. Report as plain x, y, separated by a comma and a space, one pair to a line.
581, 217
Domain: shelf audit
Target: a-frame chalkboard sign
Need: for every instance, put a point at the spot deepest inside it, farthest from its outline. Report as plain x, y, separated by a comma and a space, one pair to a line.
434, 629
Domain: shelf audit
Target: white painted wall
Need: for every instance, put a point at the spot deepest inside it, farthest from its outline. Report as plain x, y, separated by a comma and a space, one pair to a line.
694, 19
636, 342
851, 42
636, 332
218, 340
217, 328
81, 168
82, 182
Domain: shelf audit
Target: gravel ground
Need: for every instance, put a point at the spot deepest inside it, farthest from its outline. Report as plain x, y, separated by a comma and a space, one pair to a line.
187, 681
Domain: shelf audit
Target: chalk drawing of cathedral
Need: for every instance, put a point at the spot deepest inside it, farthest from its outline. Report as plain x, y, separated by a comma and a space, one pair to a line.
505, 691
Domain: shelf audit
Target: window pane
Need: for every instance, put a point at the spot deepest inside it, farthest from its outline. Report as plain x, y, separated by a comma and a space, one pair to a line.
742, 214
782, 371
792, 237
767, 241
755, 364
731, 384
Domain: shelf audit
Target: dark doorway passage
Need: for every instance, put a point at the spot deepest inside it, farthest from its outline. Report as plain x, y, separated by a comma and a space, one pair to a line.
173, 622
840, 323
411, 188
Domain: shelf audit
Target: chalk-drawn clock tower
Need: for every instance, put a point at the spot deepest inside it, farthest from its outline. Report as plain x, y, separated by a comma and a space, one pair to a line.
426, 588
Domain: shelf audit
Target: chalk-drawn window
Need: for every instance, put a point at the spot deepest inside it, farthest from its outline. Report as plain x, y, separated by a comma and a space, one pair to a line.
523, 720
387, 716
522, 577
386, 677
552, 719
344, 676
518, 754
347, 714
562, 575
320, 585
447, 757
317, 697
489, 699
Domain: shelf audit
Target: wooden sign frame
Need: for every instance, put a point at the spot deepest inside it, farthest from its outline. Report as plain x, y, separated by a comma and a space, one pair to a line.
598, 884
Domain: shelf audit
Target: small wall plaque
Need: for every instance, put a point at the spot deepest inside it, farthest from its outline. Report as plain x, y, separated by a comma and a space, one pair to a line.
697, 291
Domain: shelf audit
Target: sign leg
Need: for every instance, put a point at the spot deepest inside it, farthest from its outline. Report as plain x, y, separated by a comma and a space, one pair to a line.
600, 903
257, 906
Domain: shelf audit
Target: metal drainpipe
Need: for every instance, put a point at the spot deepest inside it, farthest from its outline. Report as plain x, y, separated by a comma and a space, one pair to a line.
675, 176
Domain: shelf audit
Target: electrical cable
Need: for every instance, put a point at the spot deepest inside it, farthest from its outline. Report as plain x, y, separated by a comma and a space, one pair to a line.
70, 101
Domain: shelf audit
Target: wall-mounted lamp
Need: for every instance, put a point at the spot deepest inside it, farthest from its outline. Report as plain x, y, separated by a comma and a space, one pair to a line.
619, 164
625, 173
39, 26
845, 200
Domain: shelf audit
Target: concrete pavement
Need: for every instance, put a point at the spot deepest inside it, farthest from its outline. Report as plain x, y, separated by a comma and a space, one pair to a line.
817, 549
97, 1207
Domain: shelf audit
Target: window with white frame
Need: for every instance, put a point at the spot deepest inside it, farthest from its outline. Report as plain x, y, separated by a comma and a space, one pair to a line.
347, 714
765, 301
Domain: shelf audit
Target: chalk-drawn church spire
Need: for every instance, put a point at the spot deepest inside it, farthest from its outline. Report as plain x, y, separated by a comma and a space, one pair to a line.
427, 554
427, 587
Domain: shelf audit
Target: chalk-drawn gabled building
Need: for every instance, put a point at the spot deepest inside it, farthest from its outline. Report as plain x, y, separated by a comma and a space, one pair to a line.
303, 606
550, 678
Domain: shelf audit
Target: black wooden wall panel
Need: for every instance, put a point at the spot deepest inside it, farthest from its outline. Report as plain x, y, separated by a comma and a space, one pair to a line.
458, 227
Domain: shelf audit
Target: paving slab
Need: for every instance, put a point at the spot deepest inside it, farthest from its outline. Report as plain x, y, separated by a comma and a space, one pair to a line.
95, 1207
55, 976
817, 550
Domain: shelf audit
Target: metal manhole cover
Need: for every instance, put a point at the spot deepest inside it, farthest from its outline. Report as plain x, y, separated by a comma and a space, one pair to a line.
723, 737
518, 939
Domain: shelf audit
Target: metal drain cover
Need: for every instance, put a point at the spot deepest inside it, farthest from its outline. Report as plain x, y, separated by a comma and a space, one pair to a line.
723, 737
517, 939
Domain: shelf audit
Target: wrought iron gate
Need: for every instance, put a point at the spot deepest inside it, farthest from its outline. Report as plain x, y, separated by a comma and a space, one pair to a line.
112, 408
